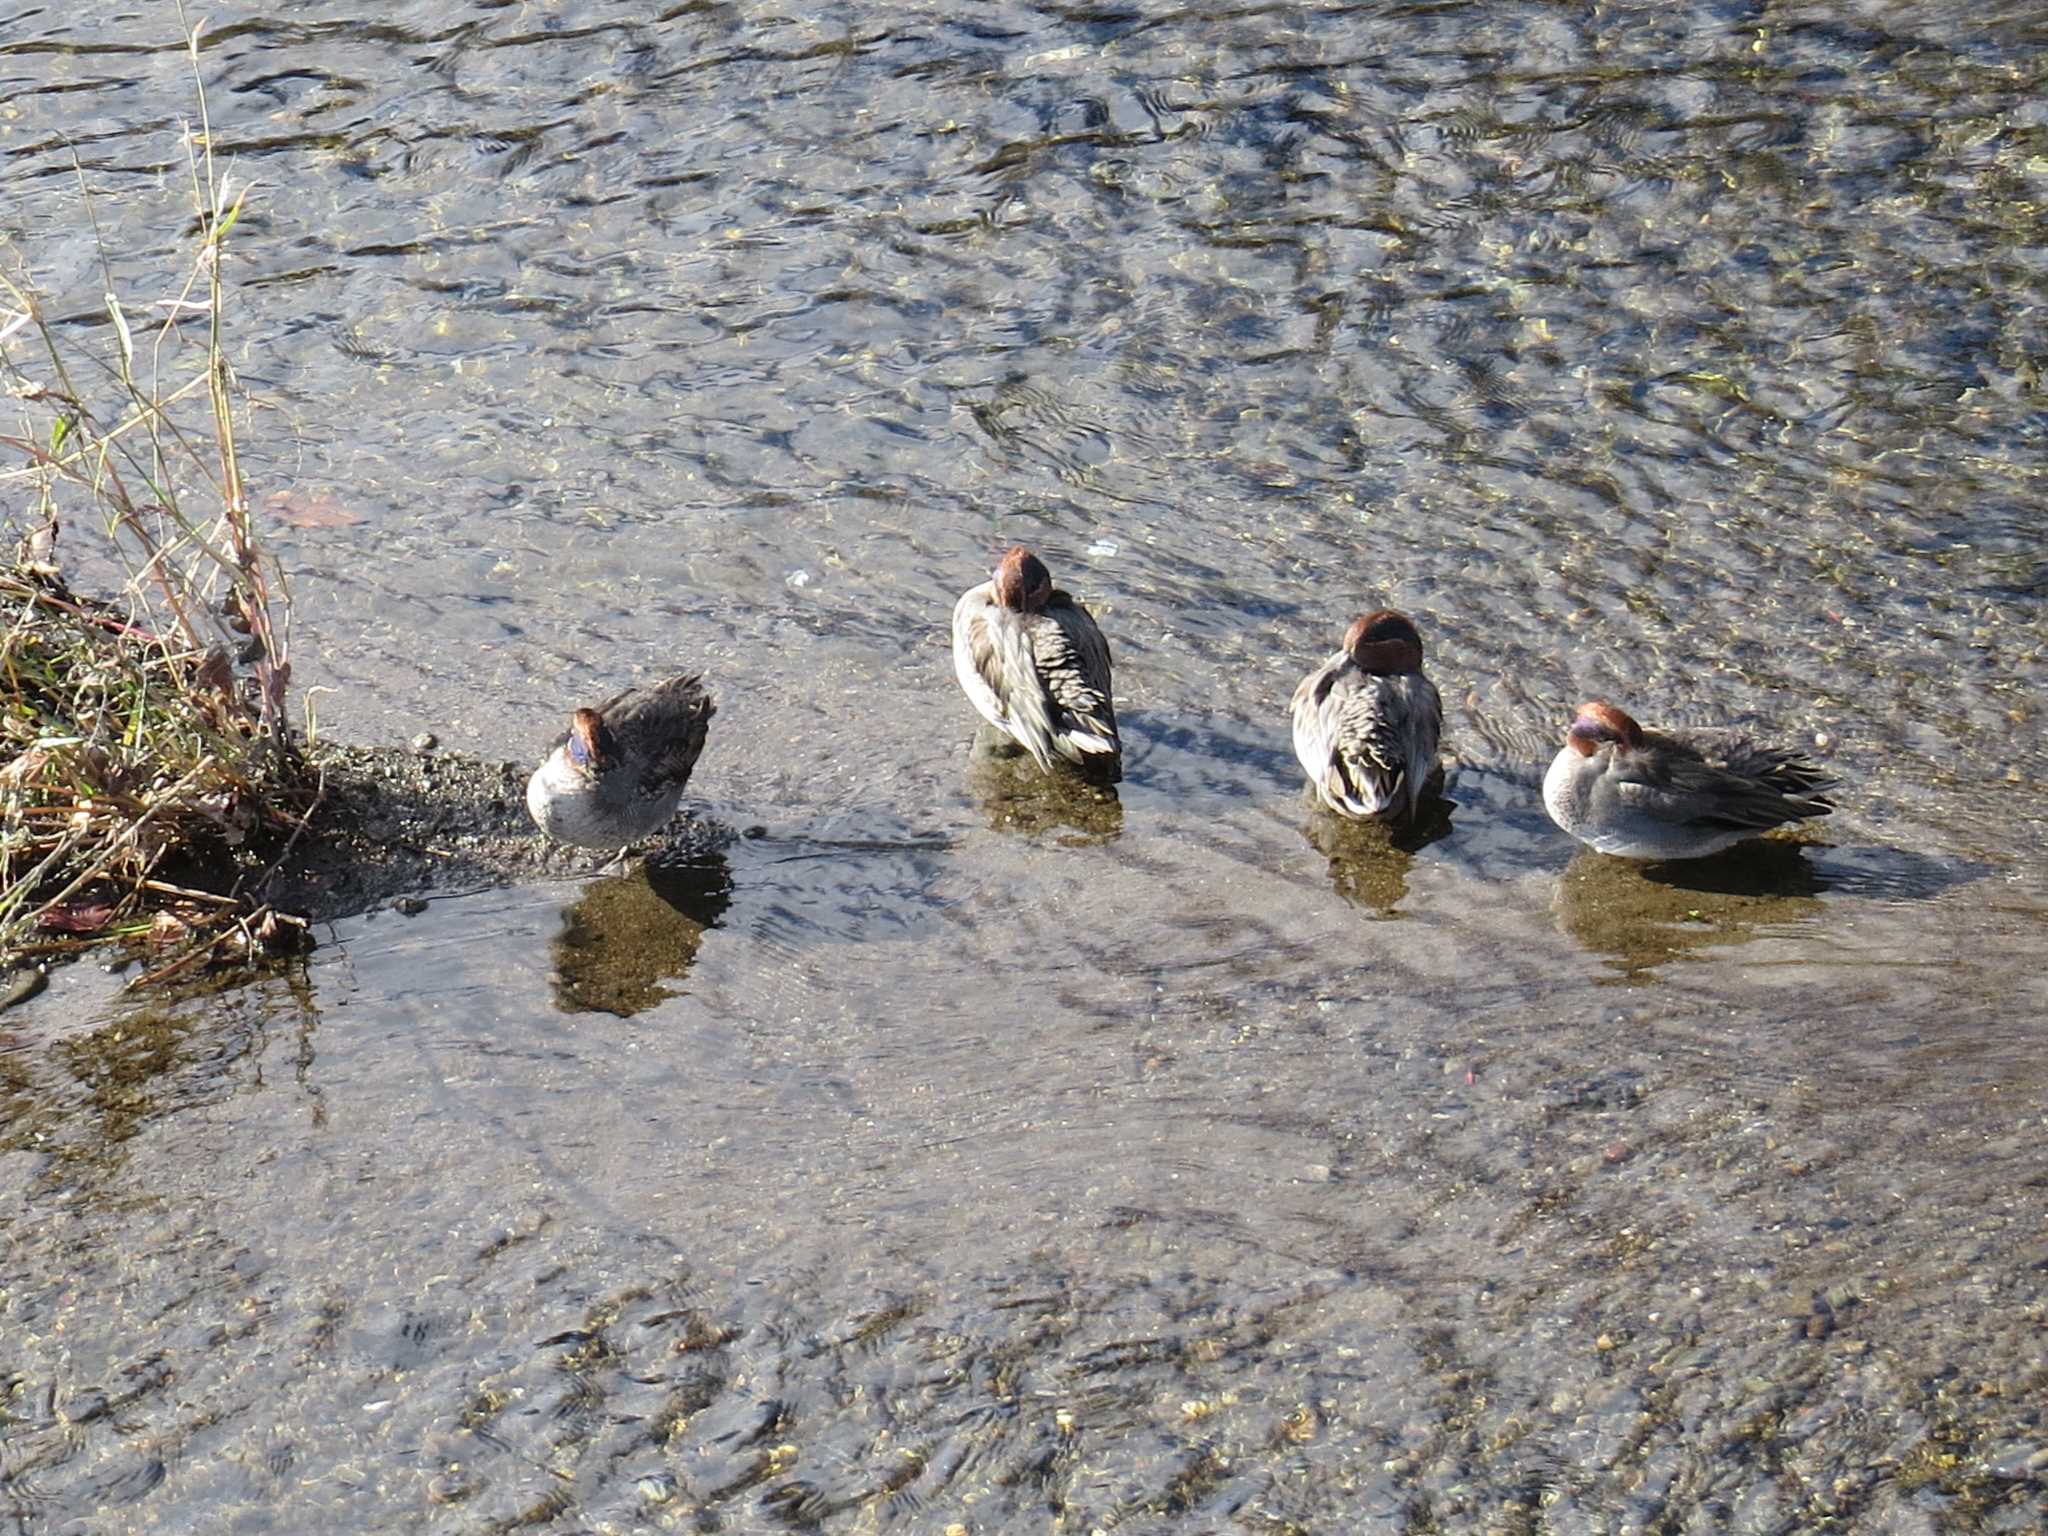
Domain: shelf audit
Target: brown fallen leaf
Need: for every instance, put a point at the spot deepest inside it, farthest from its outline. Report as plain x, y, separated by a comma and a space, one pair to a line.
78, 917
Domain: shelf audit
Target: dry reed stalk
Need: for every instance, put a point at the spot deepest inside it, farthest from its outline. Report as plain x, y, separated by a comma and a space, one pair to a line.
153, 731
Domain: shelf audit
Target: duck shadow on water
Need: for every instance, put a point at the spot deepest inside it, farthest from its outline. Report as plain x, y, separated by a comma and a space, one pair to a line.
1369, 861
628, 937
1016, 795
1643, 915
1195, 753
1883, 873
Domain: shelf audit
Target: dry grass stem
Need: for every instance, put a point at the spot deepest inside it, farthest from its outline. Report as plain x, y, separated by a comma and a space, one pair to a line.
147, 763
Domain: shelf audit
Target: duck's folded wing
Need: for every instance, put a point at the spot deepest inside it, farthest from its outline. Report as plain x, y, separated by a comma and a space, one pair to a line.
992, 653
667, 721
1072, 661
1692, 791
675, 698
1314, 721
1423, 732
1369, 745
1363, 759
974, 653
1782, 771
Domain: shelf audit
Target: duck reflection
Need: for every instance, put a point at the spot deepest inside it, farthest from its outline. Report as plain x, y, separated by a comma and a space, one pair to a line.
1643, 915
1017, 796
1369, 860
628, 935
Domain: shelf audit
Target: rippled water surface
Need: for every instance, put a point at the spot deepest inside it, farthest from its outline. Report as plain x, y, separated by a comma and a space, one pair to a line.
964, 1155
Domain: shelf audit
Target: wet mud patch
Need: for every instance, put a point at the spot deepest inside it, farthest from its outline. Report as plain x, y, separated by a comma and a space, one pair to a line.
386, 827
396, 826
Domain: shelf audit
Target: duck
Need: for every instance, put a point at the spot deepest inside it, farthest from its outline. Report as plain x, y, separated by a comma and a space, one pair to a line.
1641, 794
1035, 665
1367, 722
618, 773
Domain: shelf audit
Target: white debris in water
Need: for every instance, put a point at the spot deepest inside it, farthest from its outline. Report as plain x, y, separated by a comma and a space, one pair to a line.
1102, 549
798, 578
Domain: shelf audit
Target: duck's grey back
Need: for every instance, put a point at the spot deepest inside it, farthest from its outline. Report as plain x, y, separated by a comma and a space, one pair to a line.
661, 728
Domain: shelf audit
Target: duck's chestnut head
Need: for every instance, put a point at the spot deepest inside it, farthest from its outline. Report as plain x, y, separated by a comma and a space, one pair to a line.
1021, 580
1384, 642
1598, 725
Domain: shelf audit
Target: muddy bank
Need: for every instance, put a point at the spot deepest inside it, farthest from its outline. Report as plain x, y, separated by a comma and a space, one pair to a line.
396, 827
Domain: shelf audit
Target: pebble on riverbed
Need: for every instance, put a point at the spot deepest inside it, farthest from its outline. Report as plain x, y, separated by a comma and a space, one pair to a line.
21, 985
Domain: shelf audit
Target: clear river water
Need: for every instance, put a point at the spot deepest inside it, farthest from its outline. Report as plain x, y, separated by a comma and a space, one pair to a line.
963, 1154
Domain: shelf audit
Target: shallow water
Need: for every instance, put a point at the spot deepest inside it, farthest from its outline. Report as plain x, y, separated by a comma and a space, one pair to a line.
961, 1153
